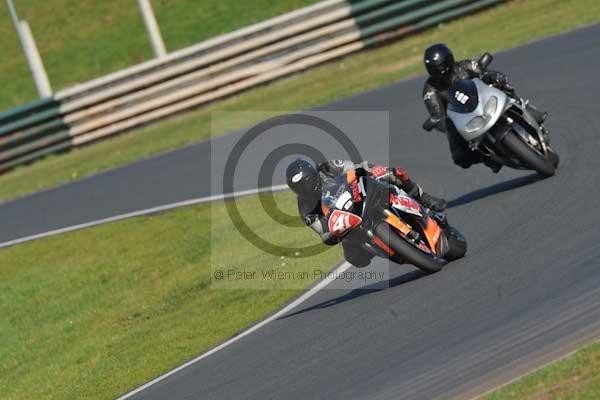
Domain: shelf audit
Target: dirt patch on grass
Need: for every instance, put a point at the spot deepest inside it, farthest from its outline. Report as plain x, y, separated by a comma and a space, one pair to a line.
397, 66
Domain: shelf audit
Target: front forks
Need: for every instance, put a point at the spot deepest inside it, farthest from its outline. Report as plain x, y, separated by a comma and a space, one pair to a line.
530, 139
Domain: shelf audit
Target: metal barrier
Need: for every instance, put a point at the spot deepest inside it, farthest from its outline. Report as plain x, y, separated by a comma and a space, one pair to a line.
211, 70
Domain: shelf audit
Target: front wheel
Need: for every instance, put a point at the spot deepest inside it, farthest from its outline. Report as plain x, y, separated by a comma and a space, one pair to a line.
527, 155
553, 157
406, 251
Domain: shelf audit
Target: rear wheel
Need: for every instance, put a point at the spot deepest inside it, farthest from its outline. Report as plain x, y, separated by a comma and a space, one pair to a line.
406, 251
527, 155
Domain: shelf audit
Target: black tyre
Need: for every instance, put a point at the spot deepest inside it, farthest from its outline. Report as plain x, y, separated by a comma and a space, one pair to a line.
408, 252
457, 244
527, 155
553, 157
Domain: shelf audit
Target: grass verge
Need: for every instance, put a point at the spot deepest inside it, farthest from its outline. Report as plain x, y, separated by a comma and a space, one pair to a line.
94, 313
499, 28
82, 39
575, 377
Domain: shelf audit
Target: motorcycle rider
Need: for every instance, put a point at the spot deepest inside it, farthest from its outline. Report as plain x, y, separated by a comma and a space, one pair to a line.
307, 182
443, 71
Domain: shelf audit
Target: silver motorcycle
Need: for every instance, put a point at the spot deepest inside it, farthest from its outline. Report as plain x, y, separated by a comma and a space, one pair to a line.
498, 125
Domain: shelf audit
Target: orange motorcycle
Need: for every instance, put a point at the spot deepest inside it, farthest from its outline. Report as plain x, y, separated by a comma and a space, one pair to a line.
387, 222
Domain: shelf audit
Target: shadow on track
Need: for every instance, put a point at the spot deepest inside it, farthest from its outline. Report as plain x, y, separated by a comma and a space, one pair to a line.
363, 291
494, 189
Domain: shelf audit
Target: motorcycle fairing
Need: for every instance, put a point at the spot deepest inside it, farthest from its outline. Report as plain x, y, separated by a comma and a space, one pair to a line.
463, 97
406, 204
461, 117
432, 232
345, 212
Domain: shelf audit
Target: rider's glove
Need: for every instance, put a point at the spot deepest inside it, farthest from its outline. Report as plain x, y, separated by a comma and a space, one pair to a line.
508, 88
310, 219
501, 82
433, 203
360, 171
401, 173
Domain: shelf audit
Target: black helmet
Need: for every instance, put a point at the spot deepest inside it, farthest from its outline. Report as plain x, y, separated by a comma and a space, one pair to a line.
302, 177
439, 61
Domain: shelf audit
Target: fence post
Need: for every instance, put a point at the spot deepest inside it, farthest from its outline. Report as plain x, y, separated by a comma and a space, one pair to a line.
36, 66
152, 26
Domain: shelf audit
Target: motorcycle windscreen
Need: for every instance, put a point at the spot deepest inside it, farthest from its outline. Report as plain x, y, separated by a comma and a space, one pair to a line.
377, 197
463, 97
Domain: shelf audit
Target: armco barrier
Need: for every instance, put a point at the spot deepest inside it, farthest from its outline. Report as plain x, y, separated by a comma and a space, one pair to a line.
211, 70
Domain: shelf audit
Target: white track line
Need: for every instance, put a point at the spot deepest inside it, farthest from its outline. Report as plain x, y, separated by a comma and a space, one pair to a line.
139, 213
306, 295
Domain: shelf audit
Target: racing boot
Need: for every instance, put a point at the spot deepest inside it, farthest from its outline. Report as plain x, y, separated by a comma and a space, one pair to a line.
493, 165
441, 219
539, 116
433, 203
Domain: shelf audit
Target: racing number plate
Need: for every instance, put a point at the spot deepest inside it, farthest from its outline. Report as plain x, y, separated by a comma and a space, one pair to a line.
341, 222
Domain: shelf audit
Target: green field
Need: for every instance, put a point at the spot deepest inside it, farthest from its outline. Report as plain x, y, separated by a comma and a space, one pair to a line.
83, 39
94, 313
492, 30
575, 377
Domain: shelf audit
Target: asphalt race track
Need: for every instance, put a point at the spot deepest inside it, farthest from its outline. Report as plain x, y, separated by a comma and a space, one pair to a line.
528, 291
